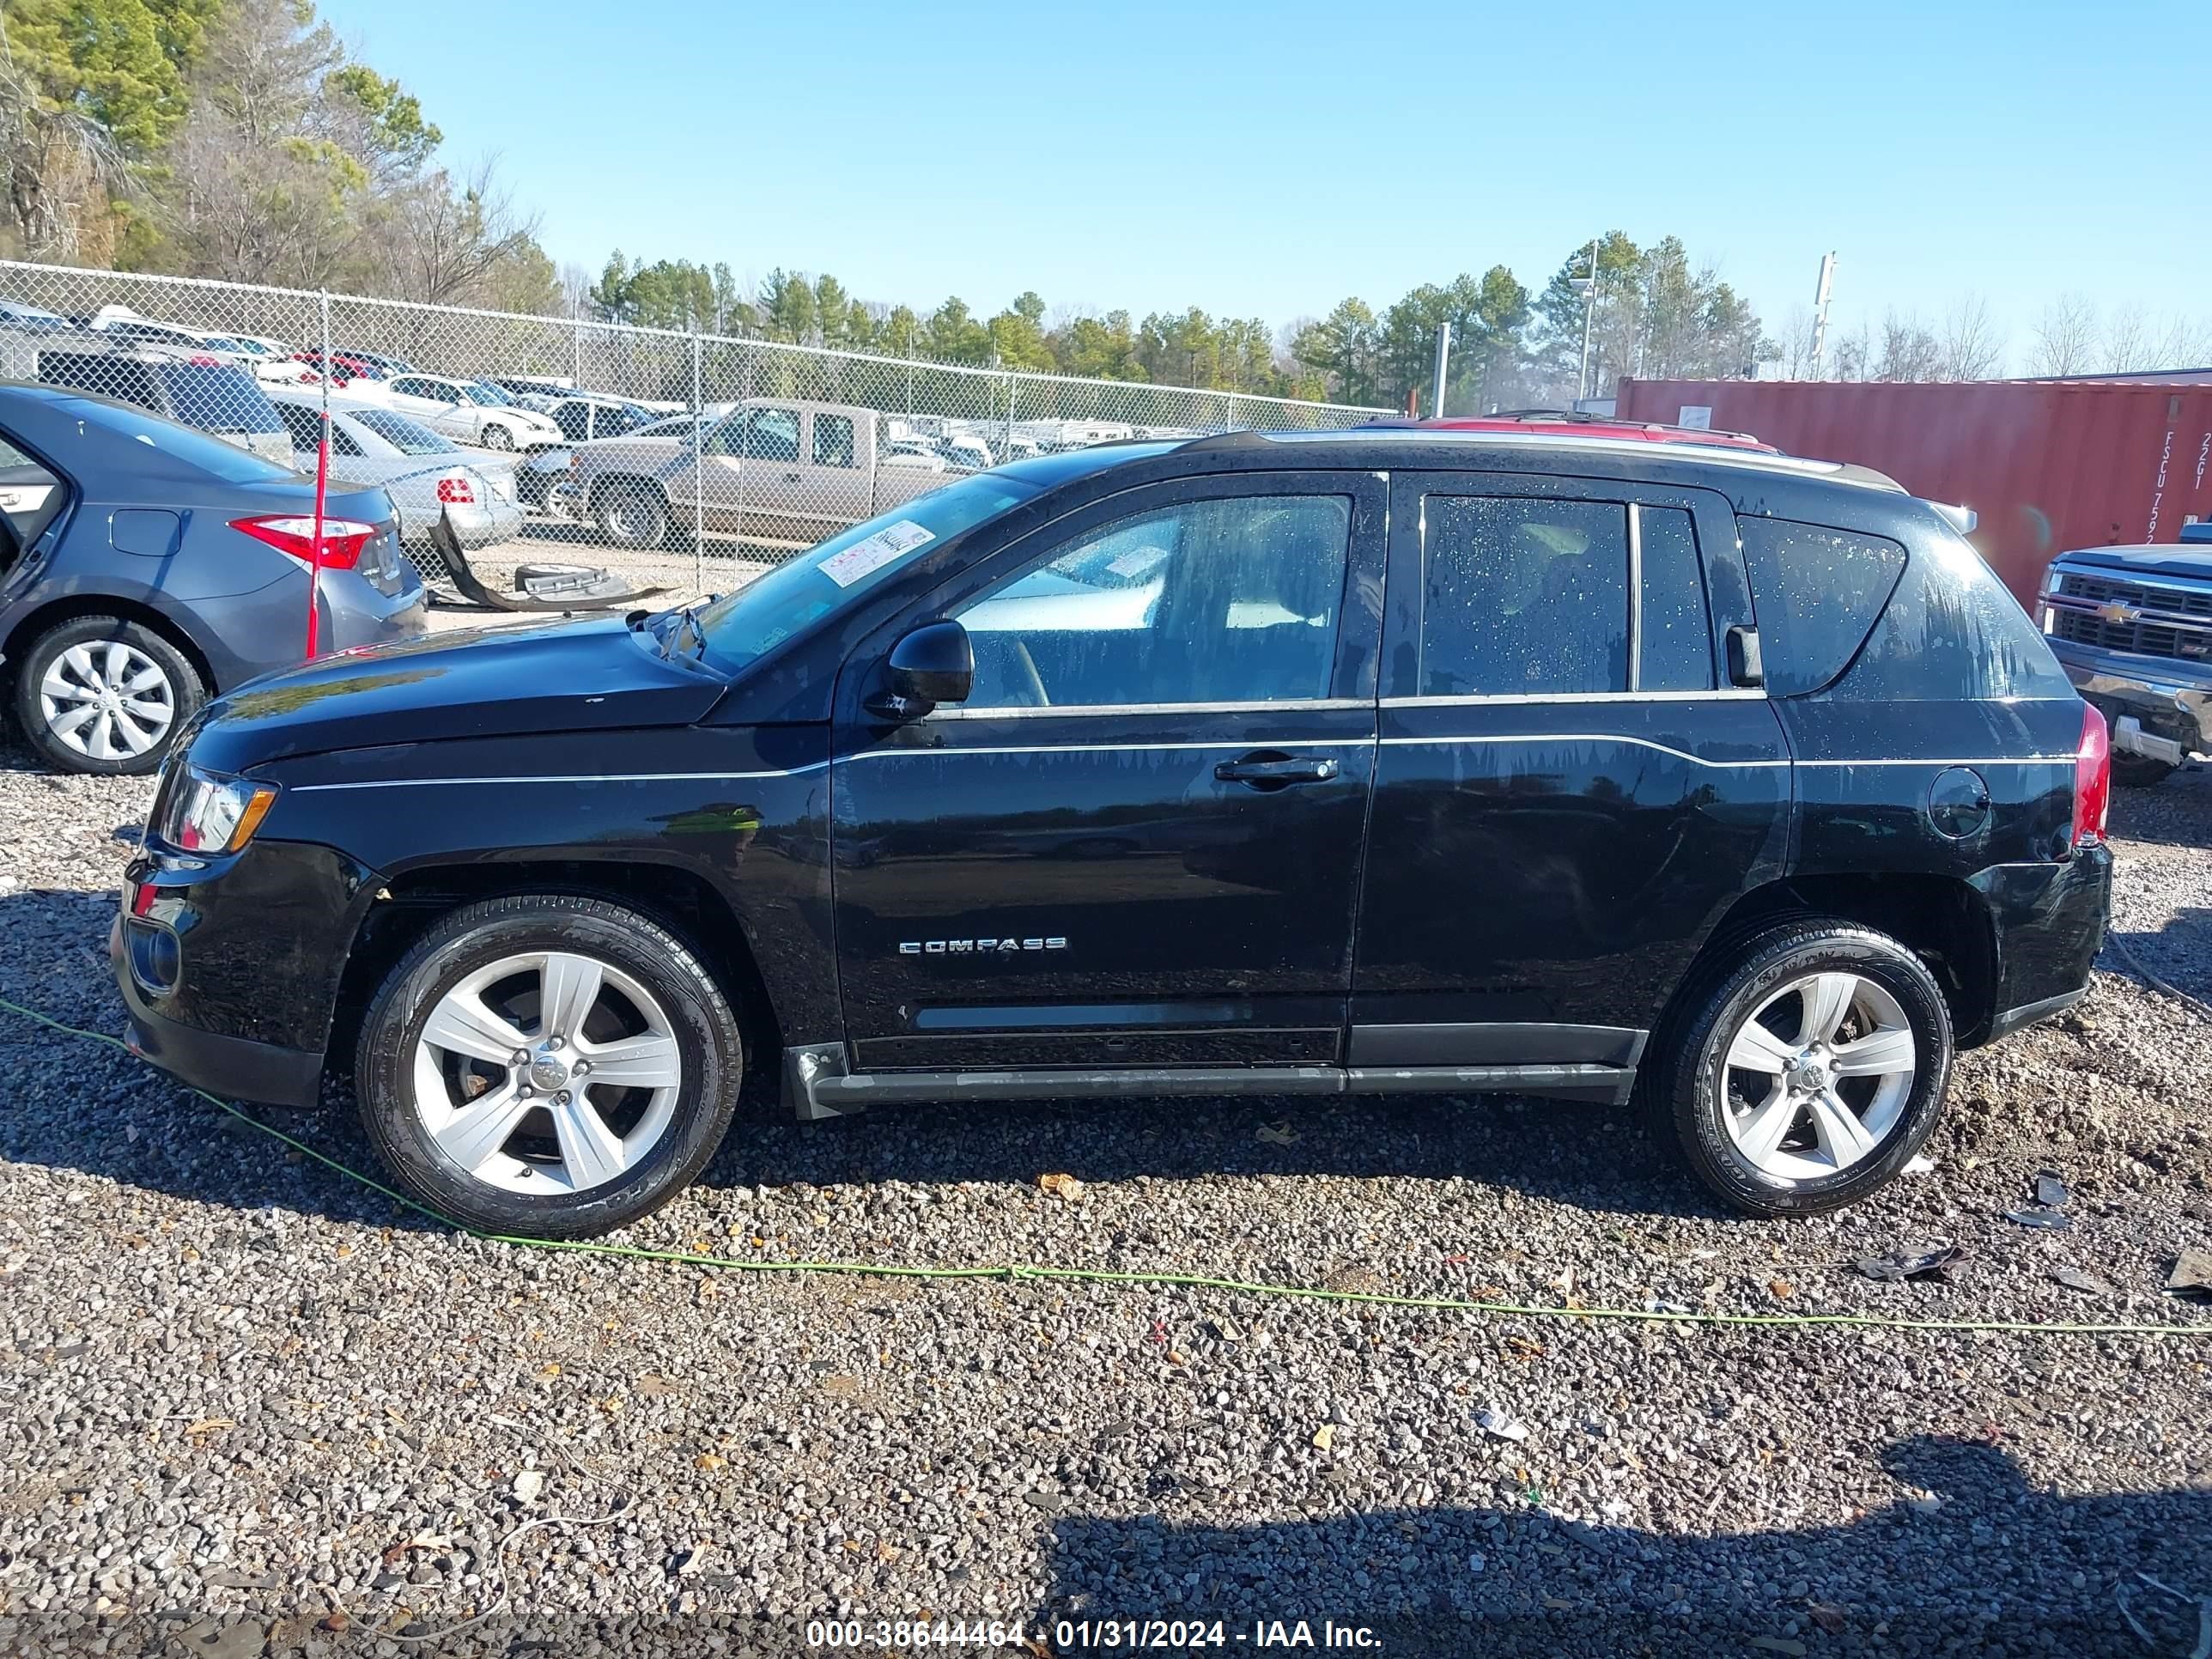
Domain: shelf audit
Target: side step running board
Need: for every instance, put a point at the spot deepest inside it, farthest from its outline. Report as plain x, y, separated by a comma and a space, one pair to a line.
816, 1085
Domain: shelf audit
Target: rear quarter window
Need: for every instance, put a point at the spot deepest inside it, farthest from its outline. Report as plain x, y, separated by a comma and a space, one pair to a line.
1952, 631
1818, 592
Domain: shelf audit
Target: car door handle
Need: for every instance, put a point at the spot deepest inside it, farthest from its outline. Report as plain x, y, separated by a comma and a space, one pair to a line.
1273, 771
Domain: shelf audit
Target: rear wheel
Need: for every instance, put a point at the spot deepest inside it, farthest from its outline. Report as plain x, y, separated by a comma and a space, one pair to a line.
2139, 771
630, 514
104, 695
547, 1066
1804, 1077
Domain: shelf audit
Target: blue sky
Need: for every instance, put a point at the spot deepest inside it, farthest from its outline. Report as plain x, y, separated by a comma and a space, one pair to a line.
1270, 160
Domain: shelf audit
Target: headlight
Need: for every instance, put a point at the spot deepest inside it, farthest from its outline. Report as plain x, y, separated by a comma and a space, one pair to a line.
208, 812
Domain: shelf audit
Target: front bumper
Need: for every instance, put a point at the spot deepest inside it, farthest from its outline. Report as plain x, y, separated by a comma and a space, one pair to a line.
230, 966
2165, 700
232, 1068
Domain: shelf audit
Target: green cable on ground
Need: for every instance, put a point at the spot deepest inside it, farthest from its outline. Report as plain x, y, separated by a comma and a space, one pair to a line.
1019, 1270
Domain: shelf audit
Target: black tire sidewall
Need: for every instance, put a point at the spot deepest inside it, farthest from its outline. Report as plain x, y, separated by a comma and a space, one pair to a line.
2139, 771
184, 681
1698, 1075
613, 499
706, 1039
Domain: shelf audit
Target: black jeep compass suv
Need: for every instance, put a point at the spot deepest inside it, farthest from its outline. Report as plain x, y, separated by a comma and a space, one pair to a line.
1364, 761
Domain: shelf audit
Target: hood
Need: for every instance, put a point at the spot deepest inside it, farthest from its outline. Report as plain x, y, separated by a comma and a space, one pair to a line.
583, 674
2189, 563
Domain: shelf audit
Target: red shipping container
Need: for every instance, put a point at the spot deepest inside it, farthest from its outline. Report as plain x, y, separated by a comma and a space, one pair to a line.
2048, 465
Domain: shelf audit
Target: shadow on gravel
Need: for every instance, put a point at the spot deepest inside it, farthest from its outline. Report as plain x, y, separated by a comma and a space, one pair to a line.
91, 1108
1988, 1565
2180, 952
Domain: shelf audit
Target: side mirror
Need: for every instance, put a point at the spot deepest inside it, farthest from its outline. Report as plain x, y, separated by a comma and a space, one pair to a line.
934, 664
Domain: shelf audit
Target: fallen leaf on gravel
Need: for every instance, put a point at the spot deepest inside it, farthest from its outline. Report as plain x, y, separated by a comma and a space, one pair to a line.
2050, 1190
1277, 1134
843, 1388
1500, 1424
2048, 1221
1061, 1186
1564, 1284
550, 1368
1354, 1278
1897, 1268
1829, 1617
1524, 1348
709, 1461
1777, 1645
1920, 1163
209, 1424
2192, 1272
337, 1620
2075, 1279
1325, 1436
1780, 1289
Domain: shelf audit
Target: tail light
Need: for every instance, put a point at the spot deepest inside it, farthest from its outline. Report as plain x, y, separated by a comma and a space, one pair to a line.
455, 489
294, 533
2092, 778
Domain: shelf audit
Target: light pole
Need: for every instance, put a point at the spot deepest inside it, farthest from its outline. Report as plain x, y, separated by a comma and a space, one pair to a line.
1443, 363
1588, 284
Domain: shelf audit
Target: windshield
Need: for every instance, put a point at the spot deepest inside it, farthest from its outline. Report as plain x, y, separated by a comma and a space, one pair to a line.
407, 437
741, 626
486, 392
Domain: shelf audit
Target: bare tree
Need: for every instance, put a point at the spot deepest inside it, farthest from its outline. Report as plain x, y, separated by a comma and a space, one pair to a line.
452, 234
2065, 336
1970, 346
1910, 350
57, 163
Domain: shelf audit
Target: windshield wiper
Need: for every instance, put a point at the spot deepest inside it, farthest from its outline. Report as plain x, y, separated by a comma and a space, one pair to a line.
687, 615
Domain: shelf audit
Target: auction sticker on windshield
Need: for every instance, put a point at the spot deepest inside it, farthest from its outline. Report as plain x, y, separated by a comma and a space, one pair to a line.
872, 553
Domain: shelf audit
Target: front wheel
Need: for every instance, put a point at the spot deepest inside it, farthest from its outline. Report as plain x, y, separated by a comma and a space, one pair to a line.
1805, 1077
547, 1066
498, 437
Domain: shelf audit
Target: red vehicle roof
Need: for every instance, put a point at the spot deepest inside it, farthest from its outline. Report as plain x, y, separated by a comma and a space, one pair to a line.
1559, 423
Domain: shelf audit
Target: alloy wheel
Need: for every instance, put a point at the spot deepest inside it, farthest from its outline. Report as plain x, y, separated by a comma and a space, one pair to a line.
107, 700
547, 1072
1818, 1075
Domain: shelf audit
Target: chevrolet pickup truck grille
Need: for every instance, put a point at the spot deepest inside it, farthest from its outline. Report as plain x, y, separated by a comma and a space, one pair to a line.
2145, 619
2173, 601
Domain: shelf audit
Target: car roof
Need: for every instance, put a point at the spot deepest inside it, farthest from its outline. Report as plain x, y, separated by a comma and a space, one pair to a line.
1572, 423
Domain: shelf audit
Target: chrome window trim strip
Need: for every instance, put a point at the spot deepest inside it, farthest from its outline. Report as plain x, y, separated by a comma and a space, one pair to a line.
1107, 709
1731, 694
1587, 736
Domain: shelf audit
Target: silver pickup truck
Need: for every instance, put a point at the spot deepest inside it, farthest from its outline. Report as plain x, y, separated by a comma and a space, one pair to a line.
773, 472
2133, 627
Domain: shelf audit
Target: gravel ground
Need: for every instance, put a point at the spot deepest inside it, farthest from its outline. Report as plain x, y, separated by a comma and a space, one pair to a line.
248, 1406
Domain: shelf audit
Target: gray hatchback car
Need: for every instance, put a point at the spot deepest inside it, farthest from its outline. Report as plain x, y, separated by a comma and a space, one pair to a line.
146, 566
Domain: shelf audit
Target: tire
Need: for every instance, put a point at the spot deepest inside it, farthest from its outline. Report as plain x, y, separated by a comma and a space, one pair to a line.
630, 514
498, 437
412, 1091
1695, 1094
2139, 771
77, 655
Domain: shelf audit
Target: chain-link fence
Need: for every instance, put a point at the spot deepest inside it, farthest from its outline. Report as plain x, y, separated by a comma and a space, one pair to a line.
677, 460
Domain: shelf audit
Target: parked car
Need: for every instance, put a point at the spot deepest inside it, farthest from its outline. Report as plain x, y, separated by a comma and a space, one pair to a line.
422, 471
385, 365
342, 368
162, 566
1445, 763
14, 314
2132, 626
186, 386
463, 410
775, 473
582, 419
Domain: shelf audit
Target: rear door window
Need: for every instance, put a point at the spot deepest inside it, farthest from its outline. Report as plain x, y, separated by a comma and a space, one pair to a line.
1524, 596
1818, 590
1674, 637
